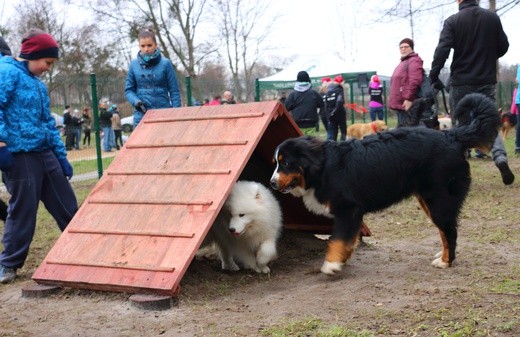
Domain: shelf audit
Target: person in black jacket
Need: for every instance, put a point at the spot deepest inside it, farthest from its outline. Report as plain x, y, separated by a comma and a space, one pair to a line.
335, 106
304, 104
477, 38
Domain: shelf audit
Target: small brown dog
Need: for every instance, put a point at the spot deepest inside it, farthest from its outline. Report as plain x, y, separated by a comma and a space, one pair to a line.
360, 130
508, 122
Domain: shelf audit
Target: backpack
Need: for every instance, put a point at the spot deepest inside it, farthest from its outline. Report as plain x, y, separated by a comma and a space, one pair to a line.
425, 89
330, 100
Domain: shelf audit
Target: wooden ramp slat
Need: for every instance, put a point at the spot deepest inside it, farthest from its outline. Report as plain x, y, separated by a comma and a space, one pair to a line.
207, 117
202, 172
187, 144
140, 226
122, 232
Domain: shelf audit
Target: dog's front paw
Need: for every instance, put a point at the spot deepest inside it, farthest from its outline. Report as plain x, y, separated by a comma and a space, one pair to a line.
264, 269
438, 263
232, 266
331, 268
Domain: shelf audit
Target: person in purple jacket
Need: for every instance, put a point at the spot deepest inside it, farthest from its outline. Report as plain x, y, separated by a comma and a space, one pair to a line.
406, 80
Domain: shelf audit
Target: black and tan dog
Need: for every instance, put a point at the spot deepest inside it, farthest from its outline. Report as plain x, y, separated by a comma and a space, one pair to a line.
508, 121
337, 178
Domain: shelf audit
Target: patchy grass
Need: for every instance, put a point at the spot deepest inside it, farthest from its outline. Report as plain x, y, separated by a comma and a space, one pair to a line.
310, 327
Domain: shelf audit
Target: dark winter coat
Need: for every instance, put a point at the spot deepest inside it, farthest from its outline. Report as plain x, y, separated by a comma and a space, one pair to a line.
335, 100
304, 107
477, 38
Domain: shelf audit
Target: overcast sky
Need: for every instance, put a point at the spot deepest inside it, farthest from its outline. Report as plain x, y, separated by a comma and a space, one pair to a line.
350, 29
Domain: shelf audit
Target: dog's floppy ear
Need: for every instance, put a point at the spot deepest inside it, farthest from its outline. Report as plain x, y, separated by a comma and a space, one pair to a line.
310, 152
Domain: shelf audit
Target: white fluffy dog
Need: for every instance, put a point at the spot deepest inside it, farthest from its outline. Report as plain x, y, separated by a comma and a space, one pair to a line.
444, 123
247, 228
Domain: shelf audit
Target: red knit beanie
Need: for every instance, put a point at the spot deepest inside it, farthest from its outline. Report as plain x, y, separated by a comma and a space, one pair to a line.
38, 44
338, 79
326, 80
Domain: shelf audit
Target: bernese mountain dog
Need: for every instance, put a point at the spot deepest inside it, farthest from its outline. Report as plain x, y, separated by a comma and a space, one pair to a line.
337, 178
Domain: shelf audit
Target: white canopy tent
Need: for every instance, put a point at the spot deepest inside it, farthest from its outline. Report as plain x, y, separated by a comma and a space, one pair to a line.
318, 66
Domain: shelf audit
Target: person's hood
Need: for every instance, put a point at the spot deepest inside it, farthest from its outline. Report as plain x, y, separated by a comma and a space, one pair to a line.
302, 86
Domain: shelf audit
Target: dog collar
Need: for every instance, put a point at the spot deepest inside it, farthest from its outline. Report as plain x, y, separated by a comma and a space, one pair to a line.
374, 128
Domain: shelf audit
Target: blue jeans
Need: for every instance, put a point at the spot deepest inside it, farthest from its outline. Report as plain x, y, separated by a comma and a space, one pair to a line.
137, 117
108, 138
34, 176
517, 138
376, 112
77, 137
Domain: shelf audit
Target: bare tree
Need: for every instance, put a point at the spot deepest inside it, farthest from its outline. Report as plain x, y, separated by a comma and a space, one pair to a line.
243, 29
80, 49
174, 22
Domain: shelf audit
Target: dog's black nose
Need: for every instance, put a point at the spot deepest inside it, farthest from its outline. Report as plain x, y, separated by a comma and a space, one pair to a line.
274, 184
232, 230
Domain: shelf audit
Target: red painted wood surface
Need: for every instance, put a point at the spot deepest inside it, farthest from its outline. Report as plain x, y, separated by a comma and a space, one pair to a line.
140, 226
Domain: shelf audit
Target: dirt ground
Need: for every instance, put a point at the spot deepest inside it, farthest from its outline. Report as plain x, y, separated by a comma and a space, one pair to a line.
388, 288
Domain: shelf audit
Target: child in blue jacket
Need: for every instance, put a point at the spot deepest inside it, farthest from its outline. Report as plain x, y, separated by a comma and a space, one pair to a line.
33, 159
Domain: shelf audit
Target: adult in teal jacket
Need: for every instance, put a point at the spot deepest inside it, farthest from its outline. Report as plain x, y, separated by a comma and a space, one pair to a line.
151, 82
33, 159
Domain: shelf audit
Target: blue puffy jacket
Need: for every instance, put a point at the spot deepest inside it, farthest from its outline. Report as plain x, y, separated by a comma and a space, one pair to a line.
153, 82
26, 124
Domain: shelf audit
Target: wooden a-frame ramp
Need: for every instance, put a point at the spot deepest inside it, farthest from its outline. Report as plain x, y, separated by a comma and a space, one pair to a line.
139, 228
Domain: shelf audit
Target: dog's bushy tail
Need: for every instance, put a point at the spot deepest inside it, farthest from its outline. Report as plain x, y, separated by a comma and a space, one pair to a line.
481, 119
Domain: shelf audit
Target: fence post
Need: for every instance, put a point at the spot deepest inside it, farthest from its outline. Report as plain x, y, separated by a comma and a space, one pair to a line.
188, 90
351, 86
257, 90
95, 115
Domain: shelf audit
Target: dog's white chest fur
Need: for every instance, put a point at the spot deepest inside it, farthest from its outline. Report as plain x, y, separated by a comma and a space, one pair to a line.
310, 201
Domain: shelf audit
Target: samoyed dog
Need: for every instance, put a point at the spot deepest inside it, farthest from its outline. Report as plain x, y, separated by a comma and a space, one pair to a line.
247, 228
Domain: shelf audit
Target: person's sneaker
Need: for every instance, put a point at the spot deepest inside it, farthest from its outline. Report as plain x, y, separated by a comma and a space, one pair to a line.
7, 275
507, 176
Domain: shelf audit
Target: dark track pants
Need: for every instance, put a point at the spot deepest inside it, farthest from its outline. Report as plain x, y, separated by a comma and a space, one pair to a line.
35, 176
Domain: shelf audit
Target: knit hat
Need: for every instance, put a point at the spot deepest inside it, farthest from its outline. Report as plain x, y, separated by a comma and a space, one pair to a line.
37, 45
338, 79
303, 76
407, 41
375, 78
326, 80
4, 48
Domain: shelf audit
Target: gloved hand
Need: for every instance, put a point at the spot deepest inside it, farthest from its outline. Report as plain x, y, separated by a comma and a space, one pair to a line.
438, 85
66, 167
6, 159
139, 106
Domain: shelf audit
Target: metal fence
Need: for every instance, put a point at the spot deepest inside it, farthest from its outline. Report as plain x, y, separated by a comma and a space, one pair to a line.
89, 161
